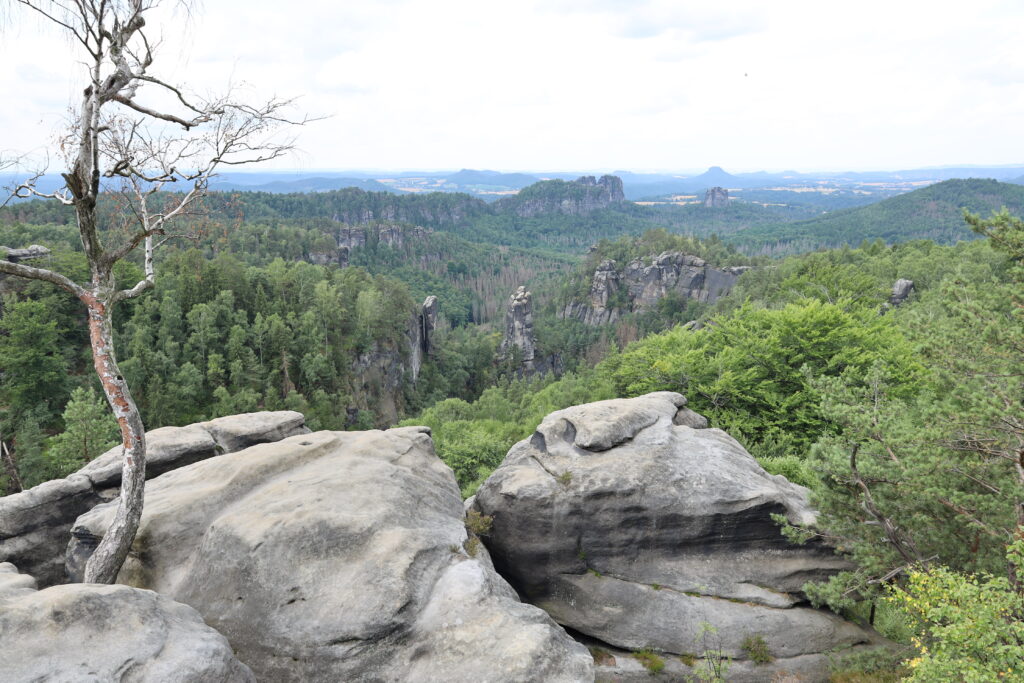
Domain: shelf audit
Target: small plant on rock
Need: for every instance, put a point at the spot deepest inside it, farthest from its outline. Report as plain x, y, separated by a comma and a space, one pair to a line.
478, 524
716, 662
565, 478
651, 661
756, 649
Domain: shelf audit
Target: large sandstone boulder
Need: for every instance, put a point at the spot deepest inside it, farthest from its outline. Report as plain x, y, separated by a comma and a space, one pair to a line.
35, 524
630, 526
338, 556
89, 632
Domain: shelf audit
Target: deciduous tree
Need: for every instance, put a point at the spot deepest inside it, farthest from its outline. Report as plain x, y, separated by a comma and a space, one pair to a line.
145, 149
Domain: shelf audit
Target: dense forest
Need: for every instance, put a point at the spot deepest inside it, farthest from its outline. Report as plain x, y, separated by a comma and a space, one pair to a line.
903, 420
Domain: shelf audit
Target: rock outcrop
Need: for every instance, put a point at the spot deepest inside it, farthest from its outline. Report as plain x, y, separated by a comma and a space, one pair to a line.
519, 341
35, 524
33, 251
338, 556
639, 286
381, 372
716, 198
580, 197
901, 291
106, 633
632, 528
349, 238
434, 210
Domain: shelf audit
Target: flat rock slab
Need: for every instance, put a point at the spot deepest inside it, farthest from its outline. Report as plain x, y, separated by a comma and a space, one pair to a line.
339, 556
630, 526
35, 525
89, 632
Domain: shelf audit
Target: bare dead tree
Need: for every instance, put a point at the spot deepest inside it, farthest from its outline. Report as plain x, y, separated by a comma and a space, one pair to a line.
159, 158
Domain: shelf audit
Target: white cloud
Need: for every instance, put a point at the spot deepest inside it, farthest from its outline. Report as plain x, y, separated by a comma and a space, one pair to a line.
602, 84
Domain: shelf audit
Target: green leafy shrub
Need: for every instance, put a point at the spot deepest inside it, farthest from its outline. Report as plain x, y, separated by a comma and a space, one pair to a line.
967, 627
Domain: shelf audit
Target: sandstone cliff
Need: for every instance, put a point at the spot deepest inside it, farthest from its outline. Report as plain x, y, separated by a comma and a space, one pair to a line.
380, 372
716, 198
576, 198
615, 291
352, 237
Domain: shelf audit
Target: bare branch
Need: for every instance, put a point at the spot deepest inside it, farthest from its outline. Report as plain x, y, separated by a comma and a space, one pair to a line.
32, 273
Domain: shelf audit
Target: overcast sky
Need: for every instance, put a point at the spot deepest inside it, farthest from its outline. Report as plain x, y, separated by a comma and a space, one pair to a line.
587, 84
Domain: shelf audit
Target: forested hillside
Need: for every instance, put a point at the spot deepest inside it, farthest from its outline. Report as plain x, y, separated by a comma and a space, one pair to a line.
934, 212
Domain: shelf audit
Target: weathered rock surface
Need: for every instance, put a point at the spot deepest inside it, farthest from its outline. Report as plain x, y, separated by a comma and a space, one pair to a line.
89, 632
33, 251
576, 198
339, 556
639, 286
35, 524
633, 528
352, 237
519, 338
901, 291
380, 373
615, 665
716, 198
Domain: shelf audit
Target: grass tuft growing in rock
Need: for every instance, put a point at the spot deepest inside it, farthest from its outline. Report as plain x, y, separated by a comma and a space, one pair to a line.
651, 661
602, 657
757, 649
478, 524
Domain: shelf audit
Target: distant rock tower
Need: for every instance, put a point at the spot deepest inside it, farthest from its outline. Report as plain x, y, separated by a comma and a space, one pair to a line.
519, 330
716, 198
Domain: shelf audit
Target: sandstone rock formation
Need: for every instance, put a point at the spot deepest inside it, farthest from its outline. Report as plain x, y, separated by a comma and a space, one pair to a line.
339, 556
716, 198
35, 524
633, 528
33, 251
106, 633
639, 286
380, 372
519, 341
901, 291
355, 206
576, 198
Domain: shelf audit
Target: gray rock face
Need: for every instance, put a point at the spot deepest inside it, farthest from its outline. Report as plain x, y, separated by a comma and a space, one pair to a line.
339, 556
33, 251
89, 632
519, 338
901, 290
629, 526
421, 333
380, 372
35, 524
716, 198
373, 233
642, 286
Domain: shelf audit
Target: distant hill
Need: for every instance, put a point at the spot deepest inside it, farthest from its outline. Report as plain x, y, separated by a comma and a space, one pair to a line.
934, 212
470, 178
303, 185
575, 198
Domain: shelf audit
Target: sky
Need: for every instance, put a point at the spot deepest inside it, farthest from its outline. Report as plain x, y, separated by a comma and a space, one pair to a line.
535, 85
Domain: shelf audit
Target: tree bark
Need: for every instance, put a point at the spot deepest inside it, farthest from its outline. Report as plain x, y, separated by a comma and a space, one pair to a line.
14, 480
108, 557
